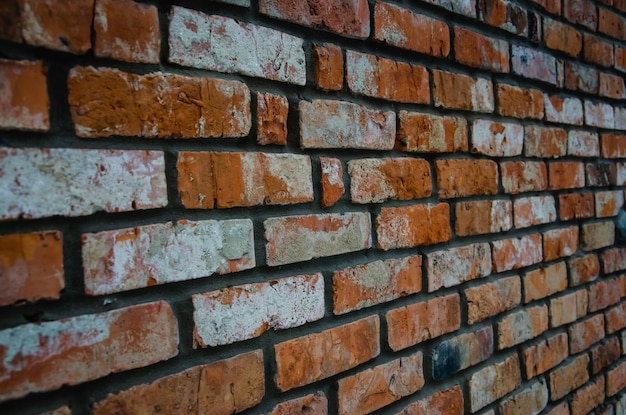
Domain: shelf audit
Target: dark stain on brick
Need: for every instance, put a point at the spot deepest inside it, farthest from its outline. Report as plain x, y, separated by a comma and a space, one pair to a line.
447, 360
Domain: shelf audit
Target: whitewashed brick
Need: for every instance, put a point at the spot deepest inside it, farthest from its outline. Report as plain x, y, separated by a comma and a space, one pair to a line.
535, 210
497, 139
454, 266
599, 115
563, 110
583, 144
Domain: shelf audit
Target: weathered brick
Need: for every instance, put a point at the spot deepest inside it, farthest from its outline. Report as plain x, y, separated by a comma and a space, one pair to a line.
597, 51
426, 133
272, 112
597, 235
560, 409
378, 180
12, 24
460, 352
583, 144
521, 326
318, 356
54, 24
600, 174
402, 28
338, 124
329, 67
516, 253
479, 51
585, 333
225, 387
559, 243
562, 37
609, 203
611, 24
106, 102
493, 382
376, 282
381, 385
464, 177
458, 91
311, 404
614, 259
64, 410
277, 304
445, 402
519, 102
481, 217
588, 397
534, 210
581, 12
576, 206
581, 78
616, 318
566, 110
620, 58
503, 14
551, 6
208, 180
127, 31
332, 181
463, 7
497, 139
566, 175
492, 298
620, 174
611, 86
300, 238
31, 267
455, 266
348, 18
599, 115
568, 308
584, 269
38, 183
531, 400
411, 226
605, 354
423, 321
544, 282
24, 102
235, 47
544, 142
545, 355
534, 64
616, 379
520, 176
45, 356
613, 146
569, 377
126, 259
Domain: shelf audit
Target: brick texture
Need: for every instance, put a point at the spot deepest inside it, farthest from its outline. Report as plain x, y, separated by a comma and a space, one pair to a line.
24, 102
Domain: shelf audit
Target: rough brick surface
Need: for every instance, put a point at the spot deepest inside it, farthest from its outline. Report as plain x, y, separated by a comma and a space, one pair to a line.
493, 298
534, 210
328, 67
522, 326
604, 293
460, 352
581, 78
562, 37
533, 64
600, 174
503, 14
559, 243
410, 226
519, 102
588, 397
24, 102
477, 218
463, 177
497, 139
332, 181
597, 235
614, 259
611, 24
599, 114
611, 86
313, 404
616, 379
568, 308
576, 206
516, 253
605, 354
544, 282
531, 400
583, 144
445, 402
455, 266
566, 110
544, 142
583, 269
426, 133
566, 175
479, 51
613, 146
459, 91
585, 333
272, 112
609, 203
569, 377
616, 318
493, 382
520, 177
582, 12
545, 355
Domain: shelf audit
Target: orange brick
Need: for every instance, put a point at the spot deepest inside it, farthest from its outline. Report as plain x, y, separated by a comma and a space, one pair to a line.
24, 99
328, 67
576, 206
519, 102
569, 377
588, 397
534, 210
479, 51
454, 266
426, 133
493, 298
459, 177
613, 146
493, 382
516, 253
585, 333
597, 50
582, 12
559, 243
562, 37
481, 217
616, 318
612, 24
520, 176
566, 175
583, 269
544, 142
604, 293
312, 404
609, 203
531, 400
616, 379
410, 226
521, 326
612, 86
272, 112
568, 308
445, 402
544, 282
332, 181
11, 28
545, 355
457, 91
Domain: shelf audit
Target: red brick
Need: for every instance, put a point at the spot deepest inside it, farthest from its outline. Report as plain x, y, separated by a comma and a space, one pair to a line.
581, 78
271, 118
588, 397
600, 174
559, 243
381, 385
31, 267
481, 217
533, 64
521, 326
24, 99
387, 79
460, 352
379, 180
458, 91
616, 379
416, 323
605, 354
568, 308
497, 139
599, 115
479, 51
585, 333
598, 51
582, 12
584, 269
45, 356
339, 124
566, 175
208, 180
544, 142
376, 282
616, 318
534, 210
583, 144
531, 400
404, 29
612, 86
609, 203
332, 181
519, 176
278, 304
562, 37
597, 235
464, 177
312, 404
127, 31
455, 266
544, 282
551, 6
106, 102
545, 355
492, 298
614, 260
300, 238
11, 28
317, 356
493, 382
612, 24
329, 69
463, 7
426, 133
519, 102
514, 253
445, 402
569, 377
503, 14
620, 58
613, 146
348, 18
55, 24
411, 226
576, 206
225, 387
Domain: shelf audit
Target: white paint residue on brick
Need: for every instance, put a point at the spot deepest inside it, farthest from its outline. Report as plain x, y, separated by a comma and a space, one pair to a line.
482, 95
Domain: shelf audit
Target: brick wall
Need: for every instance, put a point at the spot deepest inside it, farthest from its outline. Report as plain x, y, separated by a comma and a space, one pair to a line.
311, 207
